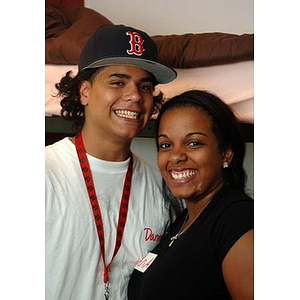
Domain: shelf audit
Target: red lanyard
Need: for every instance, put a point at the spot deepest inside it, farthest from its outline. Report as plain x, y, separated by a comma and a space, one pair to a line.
87, 174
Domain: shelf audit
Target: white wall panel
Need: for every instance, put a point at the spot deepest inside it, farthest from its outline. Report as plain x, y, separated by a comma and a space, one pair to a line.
177, 16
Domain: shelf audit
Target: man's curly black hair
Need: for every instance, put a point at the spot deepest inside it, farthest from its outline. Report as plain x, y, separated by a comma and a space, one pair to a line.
69, 89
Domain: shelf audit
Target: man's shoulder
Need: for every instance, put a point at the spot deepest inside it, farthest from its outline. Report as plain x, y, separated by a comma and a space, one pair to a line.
142, 164
60, 145
57, 153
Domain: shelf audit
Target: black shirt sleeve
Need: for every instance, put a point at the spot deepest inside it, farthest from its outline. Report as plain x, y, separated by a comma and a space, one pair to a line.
232, 224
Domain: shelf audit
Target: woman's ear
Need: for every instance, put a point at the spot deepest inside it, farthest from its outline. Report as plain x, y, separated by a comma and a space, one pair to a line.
84, 92
227, 156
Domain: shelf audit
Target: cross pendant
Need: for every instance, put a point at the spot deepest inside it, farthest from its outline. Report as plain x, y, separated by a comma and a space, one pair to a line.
174, 238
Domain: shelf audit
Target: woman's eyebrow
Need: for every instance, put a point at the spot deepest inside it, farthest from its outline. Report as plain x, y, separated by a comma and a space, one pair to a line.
162, 135
188, 135
192, 133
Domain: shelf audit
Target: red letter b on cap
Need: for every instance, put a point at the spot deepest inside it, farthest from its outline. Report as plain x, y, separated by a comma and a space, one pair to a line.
136, 43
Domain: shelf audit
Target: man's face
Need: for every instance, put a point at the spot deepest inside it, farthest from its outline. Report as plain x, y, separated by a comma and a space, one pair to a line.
119, 102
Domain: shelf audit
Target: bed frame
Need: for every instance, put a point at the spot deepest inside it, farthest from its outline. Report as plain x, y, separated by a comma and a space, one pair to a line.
58, 128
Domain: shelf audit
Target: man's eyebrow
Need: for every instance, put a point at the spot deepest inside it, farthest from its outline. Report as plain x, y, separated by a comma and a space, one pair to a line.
120, 75
126, 76
147, 79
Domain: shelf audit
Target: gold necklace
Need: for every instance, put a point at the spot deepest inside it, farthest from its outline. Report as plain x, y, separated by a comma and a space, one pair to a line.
180, 232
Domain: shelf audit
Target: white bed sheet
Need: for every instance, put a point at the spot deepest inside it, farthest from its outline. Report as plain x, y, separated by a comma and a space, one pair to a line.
233, 83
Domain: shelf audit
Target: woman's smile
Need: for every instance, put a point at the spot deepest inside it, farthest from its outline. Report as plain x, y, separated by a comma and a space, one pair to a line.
182, 176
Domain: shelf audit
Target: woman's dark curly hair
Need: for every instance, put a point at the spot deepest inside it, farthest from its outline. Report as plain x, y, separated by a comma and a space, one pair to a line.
223, 124
69, 90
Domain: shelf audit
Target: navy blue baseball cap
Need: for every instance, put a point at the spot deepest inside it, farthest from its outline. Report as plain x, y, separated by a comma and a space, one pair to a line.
121, 45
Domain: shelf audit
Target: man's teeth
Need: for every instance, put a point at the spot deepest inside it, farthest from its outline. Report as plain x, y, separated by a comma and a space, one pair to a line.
127, 114
182, 175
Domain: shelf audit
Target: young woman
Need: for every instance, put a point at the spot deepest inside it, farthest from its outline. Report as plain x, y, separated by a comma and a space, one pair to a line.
208, 251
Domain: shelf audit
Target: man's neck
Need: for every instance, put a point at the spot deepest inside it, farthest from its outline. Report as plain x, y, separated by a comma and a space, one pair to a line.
104, 148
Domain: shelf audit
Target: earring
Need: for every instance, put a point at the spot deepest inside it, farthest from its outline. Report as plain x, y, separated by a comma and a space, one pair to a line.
225, 165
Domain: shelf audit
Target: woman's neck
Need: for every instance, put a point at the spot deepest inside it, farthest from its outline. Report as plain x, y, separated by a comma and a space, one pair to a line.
195, 208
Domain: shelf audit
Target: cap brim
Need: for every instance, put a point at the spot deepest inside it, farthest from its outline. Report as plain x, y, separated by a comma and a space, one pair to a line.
161, 72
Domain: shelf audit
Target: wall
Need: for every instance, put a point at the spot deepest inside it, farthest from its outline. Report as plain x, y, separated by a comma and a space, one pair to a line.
177, 17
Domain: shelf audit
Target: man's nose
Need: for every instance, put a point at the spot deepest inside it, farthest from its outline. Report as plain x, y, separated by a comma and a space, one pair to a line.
133, 93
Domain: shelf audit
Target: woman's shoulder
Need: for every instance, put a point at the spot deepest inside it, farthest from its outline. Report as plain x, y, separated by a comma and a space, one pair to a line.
233, 206
230, 195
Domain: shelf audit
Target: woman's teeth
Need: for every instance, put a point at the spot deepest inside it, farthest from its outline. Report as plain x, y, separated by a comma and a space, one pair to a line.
182, 175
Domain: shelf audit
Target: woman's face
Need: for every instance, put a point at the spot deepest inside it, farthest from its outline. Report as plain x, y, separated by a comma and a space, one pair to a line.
188, 156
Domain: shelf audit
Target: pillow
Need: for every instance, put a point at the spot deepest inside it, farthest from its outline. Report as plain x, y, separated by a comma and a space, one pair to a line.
67, 30
204, 49
56, 22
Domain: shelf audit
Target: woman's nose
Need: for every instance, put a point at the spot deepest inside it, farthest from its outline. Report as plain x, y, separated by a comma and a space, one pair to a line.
177, 155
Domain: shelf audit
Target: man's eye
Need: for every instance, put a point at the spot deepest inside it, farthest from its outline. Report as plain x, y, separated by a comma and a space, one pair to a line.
146, 87
117, 83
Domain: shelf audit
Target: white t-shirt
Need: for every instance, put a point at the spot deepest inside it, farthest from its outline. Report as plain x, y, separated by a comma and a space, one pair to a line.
74, 266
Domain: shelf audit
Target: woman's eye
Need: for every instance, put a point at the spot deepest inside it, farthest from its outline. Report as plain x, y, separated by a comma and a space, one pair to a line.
195, 143
164, 146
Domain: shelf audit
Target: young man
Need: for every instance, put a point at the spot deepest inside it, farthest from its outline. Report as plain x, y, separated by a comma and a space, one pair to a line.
104, 209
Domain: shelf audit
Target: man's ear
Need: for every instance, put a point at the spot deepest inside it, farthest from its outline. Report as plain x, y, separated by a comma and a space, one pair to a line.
84, 92
227, 156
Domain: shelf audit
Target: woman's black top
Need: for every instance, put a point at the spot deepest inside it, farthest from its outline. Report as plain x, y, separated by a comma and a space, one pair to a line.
192, 267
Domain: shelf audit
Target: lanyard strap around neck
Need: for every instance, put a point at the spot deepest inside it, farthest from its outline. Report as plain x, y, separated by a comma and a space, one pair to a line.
87, 174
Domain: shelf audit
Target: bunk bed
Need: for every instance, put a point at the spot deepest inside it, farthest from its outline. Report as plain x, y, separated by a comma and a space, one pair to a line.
221, 63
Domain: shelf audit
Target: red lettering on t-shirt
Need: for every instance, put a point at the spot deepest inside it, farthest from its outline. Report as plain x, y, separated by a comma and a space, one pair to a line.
150, 236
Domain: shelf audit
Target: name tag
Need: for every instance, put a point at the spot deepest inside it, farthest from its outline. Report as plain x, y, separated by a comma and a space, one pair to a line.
145, 263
